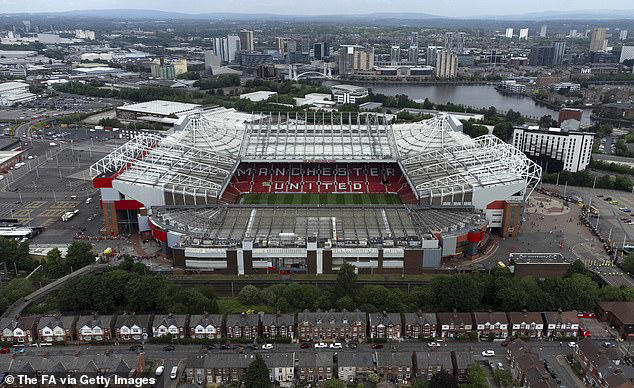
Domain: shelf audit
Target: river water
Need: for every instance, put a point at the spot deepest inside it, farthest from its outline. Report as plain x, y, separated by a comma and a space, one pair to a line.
477, 96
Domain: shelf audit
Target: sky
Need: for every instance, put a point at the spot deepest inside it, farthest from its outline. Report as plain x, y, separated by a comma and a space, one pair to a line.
458, 8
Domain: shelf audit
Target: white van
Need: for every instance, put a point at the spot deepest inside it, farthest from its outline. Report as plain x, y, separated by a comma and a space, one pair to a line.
174, 372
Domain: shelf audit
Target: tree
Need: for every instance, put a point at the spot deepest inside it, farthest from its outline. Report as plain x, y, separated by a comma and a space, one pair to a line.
503, 130
503, 378
577, 267
476, 377
420, 383
346, 281
345, 303
628, 263
373, 378
333, 383
257, 375
249, 295
79, 255
54, 265
443, 379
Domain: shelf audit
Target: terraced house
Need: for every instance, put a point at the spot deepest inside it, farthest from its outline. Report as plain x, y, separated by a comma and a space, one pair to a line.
94, 328
385, 325
206, 326
420, 325
169, 325
526, 324
491, 324
131, 327
56, 328
242, 325
331, 325
277, 325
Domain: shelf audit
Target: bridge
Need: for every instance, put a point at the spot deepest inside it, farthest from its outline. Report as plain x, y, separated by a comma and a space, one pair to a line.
295, 76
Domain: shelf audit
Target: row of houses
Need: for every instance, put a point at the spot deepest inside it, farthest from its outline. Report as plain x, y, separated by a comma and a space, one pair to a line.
307, 326
308, 367
135, 327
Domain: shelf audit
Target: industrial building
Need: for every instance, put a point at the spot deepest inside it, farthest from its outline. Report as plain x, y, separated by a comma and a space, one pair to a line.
157, 109
186, 190
12, 93
555, 149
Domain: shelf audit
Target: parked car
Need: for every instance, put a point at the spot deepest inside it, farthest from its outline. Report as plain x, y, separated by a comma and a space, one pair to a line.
267, 347
225, 347
433, 345
134, 348
321, 345
5, 350
168, 348
159, 370
352, 345
304, 345
488, 353
377, 346
336, 345
572, 344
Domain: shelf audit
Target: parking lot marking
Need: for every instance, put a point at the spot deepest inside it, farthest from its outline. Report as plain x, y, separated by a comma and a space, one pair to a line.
35, 204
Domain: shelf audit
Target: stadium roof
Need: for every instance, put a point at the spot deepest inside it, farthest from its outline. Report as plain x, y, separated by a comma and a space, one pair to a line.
200, 157
319, 136
282, 225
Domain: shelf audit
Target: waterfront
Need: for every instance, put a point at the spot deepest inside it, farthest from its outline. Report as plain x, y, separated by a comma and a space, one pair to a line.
477, 96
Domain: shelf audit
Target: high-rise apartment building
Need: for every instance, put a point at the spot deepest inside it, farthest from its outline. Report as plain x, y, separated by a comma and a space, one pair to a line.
446, 64
395, 55
246, 40
559, 51
524, 33
598, 42
321, 50
542, 31
509, 33
227, 48
355, 57
280, 43
623, 35
412, 54
212, 61
431, 54
413, 39
460, 44
449, 41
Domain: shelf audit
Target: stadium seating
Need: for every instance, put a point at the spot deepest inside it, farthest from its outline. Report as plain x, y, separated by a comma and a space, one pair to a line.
319, 178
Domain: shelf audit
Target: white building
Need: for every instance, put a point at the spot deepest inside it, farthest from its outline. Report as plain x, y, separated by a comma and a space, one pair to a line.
555, 149
12, 93
509, 33
261, 95
513, 86
627, 53
348, 94
524, 33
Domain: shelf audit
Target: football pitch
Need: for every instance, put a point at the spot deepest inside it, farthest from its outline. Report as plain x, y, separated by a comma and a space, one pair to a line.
320, 199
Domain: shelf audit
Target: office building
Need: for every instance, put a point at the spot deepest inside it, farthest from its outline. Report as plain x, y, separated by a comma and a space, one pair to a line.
542, 56
348, 94
354, 58
321, 50
542, 31
446, 64
246, 40
555, 149
627, 52
412, 54
558, 52
395, 55
87, 34
252, 59
598, 42
509, 33
623, 35
524, 33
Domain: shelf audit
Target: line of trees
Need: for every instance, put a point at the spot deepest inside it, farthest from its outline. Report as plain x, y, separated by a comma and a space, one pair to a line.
586, 179
497, 290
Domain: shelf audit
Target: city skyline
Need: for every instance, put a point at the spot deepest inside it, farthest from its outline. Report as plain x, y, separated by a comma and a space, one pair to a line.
453, 8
